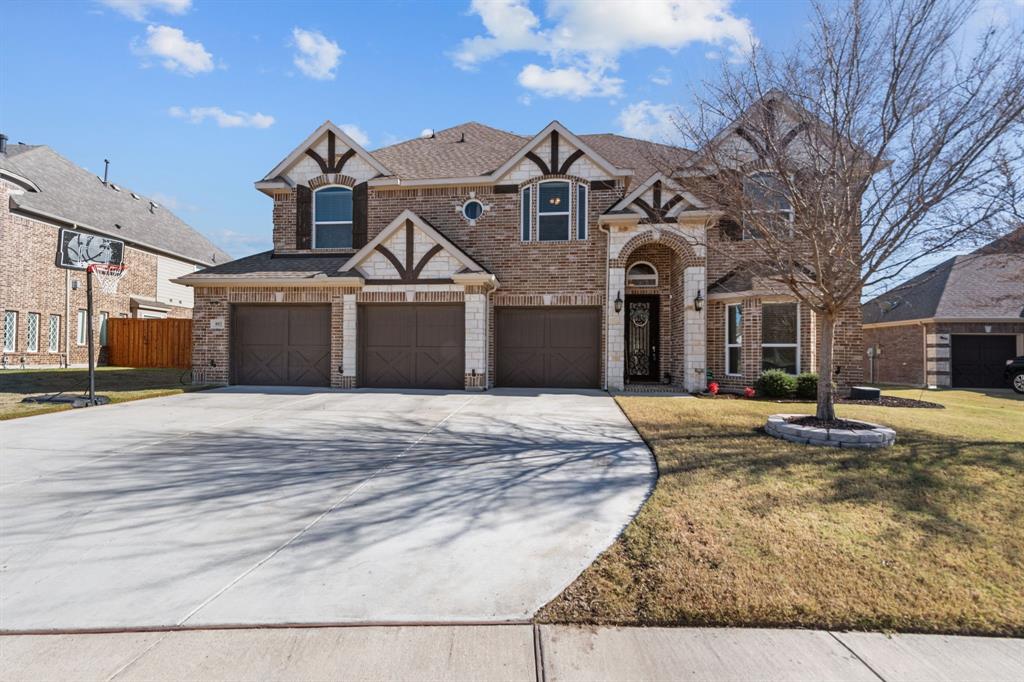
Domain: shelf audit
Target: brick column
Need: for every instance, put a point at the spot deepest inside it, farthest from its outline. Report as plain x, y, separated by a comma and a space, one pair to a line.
348, 341
616, 330
476, 341
694, 330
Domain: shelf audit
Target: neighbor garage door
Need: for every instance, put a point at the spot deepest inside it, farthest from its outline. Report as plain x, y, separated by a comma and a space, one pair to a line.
412, 346
279, 345
548, 347
979, 361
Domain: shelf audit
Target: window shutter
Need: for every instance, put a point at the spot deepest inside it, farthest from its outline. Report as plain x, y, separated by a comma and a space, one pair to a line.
360, 215
303, 217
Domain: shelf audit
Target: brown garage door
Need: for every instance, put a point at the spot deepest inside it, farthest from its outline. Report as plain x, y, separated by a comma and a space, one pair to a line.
280, 345
548, 347
979, 361
412, 346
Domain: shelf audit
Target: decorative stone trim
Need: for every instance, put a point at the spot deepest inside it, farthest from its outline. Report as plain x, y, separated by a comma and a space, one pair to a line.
474, 382
872, 436
347, 382
332, 179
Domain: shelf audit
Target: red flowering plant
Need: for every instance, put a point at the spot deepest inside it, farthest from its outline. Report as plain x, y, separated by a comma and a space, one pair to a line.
713, 388
749, 392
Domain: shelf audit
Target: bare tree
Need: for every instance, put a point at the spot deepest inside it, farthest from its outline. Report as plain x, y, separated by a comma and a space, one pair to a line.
884, 138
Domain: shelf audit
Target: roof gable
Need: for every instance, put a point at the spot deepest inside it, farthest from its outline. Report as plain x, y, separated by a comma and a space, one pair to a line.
554, 163
657, 198
410, 250
322, 146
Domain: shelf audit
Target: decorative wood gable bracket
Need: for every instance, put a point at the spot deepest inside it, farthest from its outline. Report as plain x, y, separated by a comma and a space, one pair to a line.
657, 211
552, 167
408, 269
333, 163
408, 273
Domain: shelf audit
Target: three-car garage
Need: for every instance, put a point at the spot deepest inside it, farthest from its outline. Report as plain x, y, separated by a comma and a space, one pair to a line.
416, 345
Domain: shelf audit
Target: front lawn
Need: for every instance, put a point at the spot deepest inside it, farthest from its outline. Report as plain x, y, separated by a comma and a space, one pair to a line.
120, 384
746, 530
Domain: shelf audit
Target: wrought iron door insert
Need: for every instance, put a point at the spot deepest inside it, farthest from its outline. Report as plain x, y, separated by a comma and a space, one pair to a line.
642, 338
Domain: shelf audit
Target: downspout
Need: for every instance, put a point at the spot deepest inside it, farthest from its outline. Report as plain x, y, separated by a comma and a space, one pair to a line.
607, 297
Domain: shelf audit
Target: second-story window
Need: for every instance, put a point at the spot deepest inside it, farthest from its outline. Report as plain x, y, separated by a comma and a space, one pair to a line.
553, 211
332, 218
770, 207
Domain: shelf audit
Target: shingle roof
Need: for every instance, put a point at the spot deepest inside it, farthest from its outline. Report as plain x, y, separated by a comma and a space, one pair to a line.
266, 265
474, 149
466, 150
988, 283
73, 194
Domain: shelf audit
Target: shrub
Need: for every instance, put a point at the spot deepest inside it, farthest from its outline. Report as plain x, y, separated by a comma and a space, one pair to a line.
749, 392
713, 388
807, 386
776, 383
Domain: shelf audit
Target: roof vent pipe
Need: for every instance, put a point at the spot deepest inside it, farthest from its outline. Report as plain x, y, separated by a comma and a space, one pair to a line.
106, 169
463, 138
3, 143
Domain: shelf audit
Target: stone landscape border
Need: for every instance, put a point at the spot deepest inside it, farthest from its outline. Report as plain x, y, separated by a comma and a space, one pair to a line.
872, 436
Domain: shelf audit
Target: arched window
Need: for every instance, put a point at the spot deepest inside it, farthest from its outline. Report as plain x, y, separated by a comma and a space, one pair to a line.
642, 274
553, 211
332, 218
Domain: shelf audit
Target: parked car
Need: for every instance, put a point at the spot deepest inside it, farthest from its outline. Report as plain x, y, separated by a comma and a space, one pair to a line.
1015, 373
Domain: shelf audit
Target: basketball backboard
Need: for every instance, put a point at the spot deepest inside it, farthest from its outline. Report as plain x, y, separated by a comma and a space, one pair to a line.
77, 250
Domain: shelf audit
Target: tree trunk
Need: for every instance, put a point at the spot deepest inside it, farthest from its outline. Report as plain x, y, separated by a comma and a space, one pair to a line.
826, 393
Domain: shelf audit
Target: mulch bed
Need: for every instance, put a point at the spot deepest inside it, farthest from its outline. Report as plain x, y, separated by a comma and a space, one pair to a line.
814, 422
890, 401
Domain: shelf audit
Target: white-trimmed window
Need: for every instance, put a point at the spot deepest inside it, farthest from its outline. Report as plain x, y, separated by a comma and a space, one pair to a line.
103, 327
32, 333
734, 339
10, 331
642, 274
581, 211
553, 210
332, 217
780, 337
83, 315
53, 335
767, 196
525, 212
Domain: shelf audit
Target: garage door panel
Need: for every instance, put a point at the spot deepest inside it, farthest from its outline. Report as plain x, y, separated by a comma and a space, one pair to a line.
979, 361
412, 346
548, 347
278, 345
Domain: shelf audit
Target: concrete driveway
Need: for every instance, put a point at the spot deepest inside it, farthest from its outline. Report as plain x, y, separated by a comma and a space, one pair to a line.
301, 506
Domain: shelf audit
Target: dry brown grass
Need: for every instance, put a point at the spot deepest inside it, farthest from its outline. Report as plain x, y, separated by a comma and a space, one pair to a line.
746, 530
120, 384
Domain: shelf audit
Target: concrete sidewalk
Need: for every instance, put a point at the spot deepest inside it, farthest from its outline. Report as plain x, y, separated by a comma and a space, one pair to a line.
508, 652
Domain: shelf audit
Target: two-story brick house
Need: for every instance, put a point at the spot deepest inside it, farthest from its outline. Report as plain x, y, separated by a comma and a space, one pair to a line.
475, 257
45, 197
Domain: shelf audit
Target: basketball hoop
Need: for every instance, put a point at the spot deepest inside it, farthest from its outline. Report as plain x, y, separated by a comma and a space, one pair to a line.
107, 275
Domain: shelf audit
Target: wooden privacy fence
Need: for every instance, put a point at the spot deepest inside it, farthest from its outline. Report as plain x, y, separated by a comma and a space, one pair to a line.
149, 343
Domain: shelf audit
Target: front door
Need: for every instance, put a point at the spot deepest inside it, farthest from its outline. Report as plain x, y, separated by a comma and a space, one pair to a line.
642, 335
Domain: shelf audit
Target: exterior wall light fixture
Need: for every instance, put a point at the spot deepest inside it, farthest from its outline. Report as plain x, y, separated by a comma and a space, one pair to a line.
698, 301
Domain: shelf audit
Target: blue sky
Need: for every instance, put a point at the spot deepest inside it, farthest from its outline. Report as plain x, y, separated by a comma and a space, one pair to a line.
192, 101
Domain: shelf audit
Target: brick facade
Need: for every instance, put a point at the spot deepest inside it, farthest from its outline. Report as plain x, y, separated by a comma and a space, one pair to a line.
32, 283
577, 272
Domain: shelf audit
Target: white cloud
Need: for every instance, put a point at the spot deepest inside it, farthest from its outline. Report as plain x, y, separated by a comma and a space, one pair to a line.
649, 121
356, 133
223, 119
586, 37
427, 132
138, 9
570, 82
176, 52
661, 76
239, 243
317, 55
172, 203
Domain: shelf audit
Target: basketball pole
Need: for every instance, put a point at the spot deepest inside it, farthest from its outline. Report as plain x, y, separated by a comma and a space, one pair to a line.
88, 327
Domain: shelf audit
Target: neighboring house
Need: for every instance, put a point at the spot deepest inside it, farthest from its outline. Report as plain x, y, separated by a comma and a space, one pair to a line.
954, 325
476, 257
43, 305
